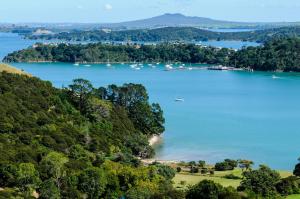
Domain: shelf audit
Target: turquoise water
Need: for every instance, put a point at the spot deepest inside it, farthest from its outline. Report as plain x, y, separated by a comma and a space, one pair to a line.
10, 42
232, 29
229, 44
225, 114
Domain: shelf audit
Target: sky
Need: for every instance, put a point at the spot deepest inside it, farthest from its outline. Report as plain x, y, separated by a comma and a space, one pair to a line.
101, 11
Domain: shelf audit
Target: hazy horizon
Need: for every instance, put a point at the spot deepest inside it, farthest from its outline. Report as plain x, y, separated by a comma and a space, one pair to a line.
114, 11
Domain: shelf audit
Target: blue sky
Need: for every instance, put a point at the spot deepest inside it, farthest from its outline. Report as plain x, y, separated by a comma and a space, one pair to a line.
123, 10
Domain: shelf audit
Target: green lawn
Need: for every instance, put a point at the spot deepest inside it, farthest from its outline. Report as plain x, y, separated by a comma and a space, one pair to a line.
194, 179
191, 179
296, 196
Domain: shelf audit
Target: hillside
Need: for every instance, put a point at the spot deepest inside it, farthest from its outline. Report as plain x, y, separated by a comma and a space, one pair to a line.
173, 20
141, 35
10, 69
95, 53
79, 142
180, 20
171, 34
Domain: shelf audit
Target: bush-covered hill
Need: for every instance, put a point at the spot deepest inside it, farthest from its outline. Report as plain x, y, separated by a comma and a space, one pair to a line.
78, 142
171, 34
277, 54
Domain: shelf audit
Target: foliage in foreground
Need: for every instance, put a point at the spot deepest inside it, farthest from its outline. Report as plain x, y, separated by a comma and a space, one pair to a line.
77, 142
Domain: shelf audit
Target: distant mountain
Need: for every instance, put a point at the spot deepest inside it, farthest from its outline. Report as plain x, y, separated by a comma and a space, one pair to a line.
165, 20
174, 20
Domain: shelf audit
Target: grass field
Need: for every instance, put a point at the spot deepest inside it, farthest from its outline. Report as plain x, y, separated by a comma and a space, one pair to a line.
218, 177
296, 196
10, 69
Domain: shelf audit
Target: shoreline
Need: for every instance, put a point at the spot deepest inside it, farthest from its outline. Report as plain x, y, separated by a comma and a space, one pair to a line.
212, 67
154, 140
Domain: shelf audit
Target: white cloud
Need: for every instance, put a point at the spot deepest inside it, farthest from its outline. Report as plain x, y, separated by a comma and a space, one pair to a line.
108, 6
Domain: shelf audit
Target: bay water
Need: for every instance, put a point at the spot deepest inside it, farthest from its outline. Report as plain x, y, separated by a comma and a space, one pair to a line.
225, 114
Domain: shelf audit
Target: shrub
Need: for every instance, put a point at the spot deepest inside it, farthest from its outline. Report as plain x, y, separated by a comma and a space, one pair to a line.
262, 182
183, 182
201, 163
204, 171
226, 165
207, 189
288, 186
297, 170
178, 169
232, 176
194, 170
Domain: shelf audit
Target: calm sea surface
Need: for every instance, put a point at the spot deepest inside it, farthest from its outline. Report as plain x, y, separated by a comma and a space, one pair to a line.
225, 114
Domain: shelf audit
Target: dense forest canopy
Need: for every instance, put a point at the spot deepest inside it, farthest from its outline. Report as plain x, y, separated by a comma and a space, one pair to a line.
120, 53
62, 141
277, 54
171, 34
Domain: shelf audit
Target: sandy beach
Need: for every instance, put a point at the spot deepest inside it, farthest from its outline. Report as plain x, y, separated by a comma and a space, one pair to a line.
155, 140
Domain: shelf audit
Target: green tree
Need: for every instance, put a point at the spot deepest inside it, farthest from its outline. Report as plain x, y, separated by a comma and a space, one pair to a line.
296, 171
8, 175
27, 176
77, 152
164, 170
245, 164
49, 190
261, 181
53, 166
80, 92
206, 189
227, 164
93, 182
201, 163
288, 186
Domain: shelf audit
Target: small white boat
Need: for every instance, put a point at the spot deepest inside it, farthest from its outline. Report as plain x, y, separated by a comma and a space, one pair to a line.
87, 65
138, 68
275, 77
168, 66
179, 99
133, 65
190, 68
108, 65
76, 64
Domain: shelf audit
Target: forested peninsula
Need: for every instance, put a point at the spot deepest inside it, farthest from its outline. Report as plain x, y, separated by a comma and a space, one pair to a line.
170, 34
276, 54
